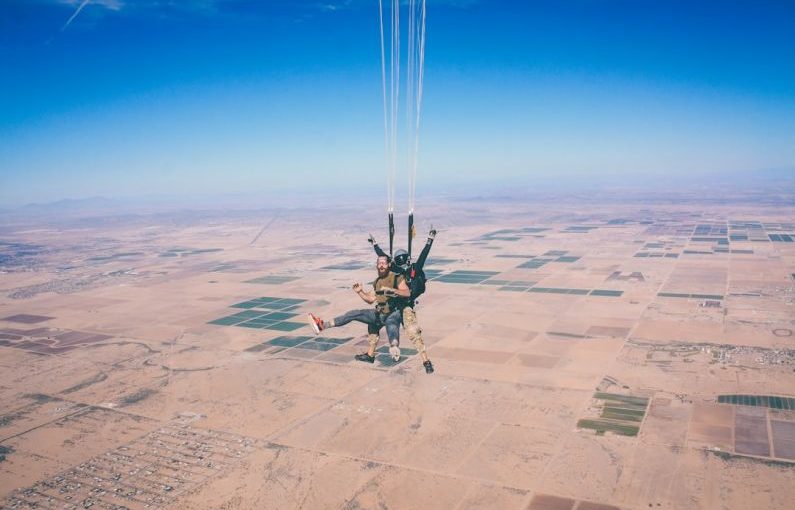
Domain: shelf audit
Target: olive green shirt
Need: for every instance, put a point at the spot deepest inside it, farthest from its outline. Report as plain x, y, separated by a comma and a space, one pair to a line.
385, 304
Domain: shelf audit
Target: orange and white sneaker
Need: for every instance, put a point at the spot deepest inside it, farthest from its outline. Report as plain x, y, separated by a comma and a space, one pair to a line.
316, 323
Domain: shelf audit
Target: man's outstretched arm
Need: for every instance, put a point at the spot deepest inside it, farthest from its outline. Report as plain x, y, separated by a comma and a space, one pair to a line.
378, 250
426, 249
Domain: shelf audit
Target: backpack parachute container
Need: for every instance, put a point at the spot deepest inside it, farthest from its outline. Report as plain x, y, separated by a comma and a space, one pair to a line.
417, 285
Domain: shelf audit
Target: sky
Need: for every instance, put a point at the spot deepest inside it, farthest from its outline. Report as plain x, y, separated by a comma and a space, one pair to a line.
119, 98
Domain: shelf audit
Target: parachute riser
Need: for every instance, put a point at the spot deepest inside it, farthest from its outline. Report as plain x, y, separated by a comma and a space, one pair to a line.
391, 233
411, 232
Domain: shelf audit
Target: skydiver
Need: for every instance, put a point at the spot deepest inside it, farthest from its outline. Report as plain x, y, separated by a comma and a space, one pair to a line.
389, 289
413, 273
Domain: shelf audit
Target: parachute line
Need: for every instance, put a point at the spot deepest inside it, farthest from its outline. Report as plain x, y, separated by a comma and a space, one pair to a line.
387, 150
389, 185
395, 64
415, 64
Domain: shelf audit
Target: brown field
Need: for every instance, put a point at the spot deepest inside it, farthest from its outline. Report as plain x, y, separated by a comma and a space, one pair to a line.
154, 361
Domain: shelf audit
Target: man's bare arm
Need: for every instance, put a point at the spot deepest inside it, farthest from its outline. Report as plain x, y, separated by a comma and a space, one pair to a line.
402, 290
367, 297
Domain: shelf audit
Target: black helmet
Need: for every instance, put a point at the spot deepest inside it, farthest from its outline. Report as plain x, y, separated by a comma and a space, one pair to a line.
401, 258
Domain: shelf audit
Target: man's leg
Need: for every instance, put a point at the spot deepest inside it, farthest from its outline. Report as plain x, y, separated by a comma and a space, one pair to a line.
414, 331
392, 323
367, 316
372, 339
372, 342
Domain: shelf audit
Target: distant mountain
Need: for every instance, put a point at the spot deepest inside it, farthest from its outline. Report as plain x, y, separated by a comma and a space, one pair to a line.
98, 204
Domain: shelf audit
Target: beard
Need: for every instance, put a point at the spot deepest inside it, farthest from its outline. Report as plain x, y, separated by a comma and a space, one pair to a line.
383, 273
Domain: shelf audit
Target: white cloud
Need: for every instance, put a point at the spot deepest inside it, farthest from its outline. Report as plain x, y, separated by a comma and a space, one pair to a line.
113, 5
336, 6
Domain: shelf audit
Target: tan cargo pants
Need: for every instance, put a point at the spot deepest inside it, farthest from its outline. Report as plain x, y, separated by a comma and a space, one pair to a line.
413, 328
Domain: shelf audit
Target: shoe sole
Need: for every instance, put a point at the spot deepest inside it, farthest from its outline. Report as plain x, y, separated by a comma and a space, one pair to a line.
394, 351
313, 324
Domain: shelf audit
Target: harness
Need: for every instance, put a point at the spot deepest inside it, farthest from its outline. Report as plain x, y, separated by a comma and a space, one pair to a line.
393, 303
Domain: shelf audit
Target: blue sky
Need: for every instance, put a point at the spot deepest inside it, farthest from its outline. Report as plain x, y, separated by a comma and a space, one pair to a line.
203, 96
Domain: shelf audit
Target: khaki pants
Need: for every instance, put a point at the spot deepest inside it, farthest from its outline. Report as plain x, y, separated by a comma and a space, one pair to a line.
413, 328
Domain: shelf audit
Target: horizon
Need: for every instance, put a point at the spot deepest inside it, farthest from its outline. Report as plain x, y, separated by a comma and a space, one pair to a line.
738, 188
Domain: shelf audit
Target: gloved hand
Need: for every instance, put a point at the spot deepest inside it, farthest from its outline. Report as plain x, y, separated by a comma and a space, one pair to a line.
371, 239
432, 234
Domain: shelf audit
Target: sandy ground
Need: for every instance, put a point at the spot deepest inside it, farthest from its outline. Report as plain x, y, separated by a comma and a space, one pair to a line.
121, 387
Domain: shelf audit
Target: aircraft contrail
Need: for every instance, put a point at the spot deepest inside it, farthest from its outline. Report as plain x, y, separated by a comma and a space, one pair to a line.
74, 15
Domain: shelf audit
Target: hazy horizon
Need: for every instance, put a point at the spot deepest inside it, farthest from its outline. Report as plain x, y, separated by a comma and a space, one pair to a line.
740, 187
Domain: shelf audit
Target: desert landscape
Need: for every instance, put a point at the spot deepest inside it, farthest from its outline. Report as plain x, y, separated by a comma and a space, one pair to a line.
589, 355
